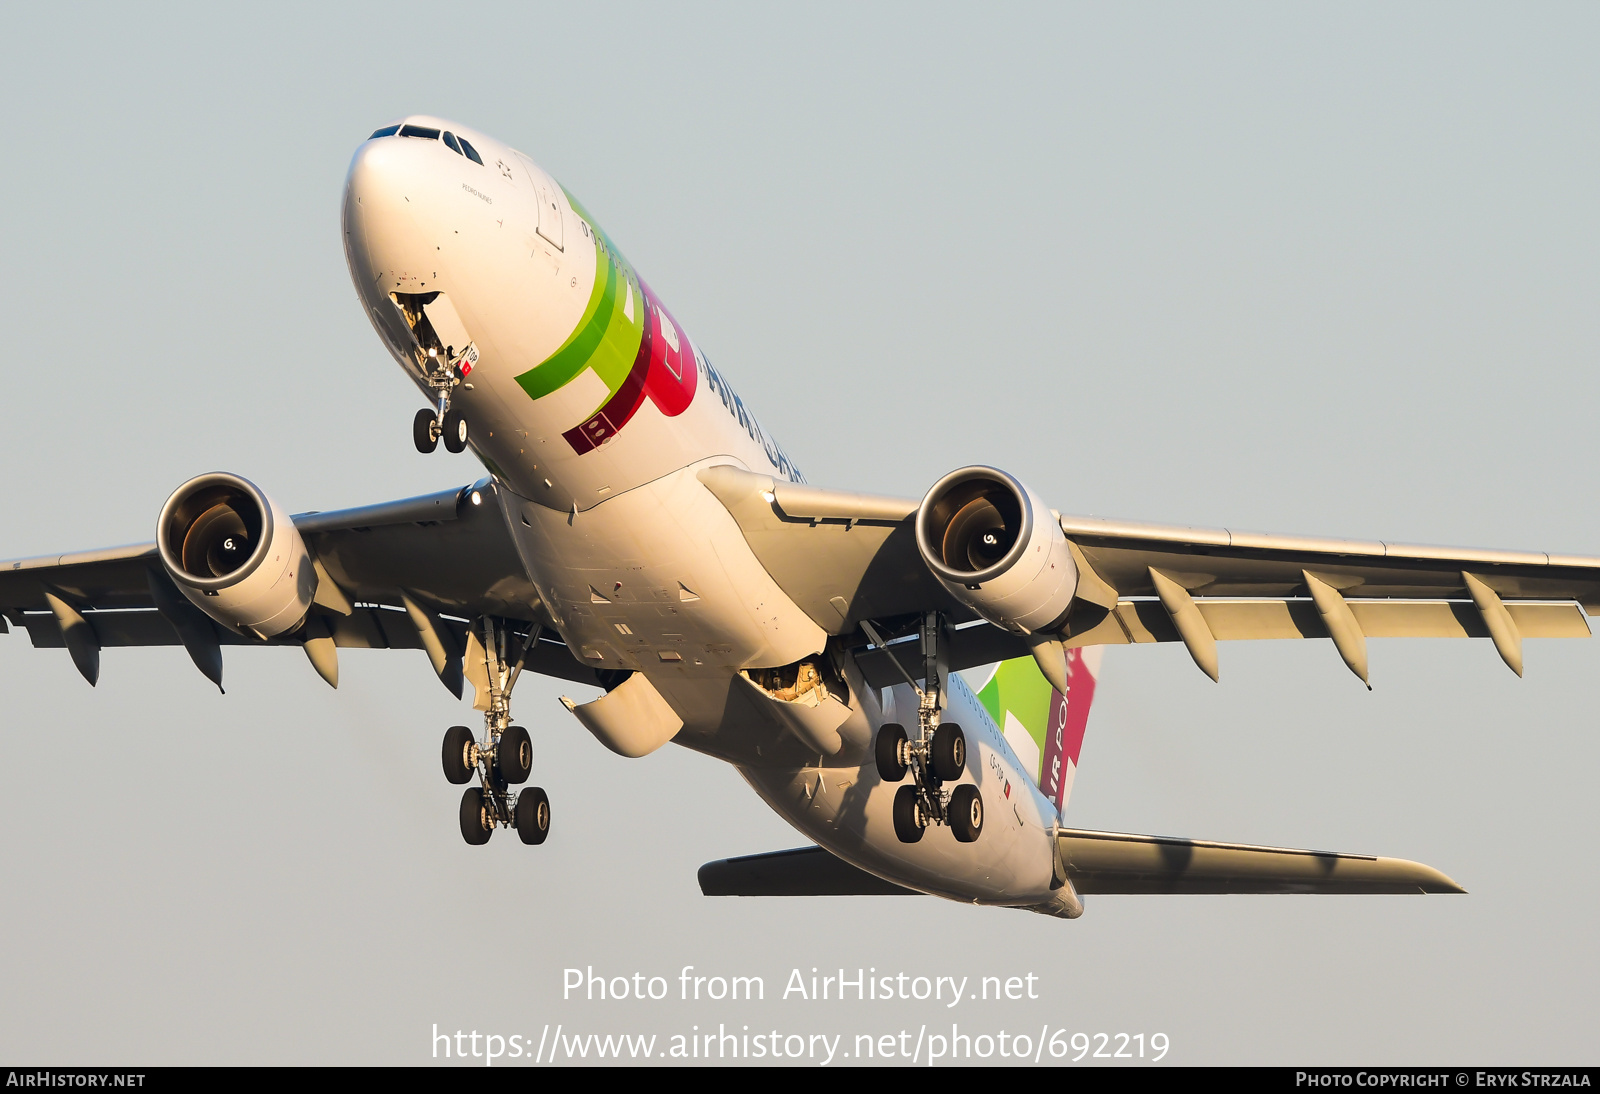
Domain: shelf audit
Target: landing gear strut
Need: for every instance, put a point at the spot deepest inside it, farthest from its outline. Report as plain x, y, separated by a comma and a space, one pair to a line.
504, 758
937, 755
443, 372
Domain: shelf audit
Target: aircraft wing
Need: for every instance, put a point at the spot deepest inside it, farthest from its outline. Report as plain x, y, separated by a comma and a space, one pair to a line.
1106, 863
408, 574
1257, 585
846, 557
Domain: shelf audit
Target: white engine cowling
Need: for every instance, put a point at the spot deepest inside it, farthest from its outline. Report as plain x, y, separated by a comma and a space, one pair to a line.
995, 545
236, 554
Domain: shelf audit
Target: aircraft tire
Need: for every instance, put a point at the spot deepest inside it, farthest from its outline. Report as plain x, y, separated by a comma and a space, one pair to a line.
422, 432
533, 815
907, 815
888, 752
514, 757
458, 765
949, 752
455, 431
476, 827
966, 813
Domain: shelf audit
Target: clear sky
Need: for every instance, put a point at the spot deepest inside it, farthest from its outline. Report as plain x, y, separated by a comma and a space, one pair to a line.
1319, 268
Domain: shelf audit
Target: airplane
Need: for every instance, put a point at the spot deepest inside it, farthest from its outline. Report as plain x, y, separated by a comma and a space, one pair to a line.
905, 681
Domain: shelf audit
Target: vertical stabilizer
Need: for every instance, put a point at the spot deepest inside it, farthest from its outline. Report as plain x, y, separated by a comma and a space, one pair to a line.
1042, 726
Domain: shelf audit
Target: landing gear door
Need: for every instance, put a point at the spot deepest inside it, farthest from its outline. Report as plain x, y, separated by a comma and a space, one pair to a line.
550, 221
447, 324
434, 324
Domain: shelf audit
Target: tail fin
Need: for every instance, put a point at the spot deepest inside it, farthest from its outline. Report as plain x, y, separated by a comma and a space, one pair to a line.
1042, 726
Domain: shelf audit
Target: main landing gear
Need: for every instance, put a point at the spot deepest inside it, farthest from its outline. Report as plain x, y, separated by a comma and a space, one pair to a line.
937, 756
503, 759
443, 373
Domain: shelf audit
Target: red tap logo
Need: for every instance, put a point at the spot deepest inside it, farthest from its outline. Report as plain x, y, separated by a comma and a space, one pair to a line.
663, 371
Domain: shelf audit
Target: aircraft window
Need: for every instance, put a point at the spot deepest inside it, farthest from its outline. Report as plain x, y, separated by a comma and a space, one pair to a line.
420, 131
472, 153
450, 142
386, 131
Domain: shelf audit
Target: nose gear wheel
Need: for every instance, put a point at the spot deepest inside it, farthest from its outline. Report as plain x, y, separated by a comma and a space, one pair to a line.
454, 431
425, 431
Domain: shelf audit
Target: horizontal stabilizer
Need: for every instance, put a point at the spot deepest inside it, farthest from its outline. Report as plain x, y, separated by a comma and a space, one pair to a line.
803, 871
1116, 862
1104, 863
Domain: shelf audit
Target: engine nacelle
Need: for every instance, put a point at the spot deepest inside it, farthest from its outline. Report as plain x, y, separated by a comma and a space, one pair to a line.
236, 554
995, 545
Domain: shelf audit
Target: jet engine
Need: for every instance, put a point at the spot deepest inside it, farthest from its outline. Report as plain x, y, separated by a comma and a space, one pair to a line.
236, 554
992, 542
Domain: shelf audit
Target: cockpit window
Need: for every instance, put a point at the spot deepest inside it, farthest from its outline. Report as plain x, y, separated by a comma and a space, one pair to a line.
420, 131
450, 143
472, 153
386, 131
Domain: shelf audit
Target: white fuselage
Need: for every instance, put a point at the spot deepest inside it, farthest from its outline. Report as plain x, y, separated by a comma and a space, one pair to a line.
639, 567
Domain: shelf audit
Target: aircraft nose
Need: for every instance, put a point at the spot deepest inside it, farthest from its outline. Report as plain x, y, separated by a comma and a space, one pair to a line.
377, 170
384, 191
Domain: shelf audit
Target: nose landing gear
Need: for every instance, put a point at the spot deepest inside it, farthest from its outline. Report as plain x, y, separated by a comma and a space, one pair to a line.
504, 758
428, 428
436, 330
937, 756
443, 372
